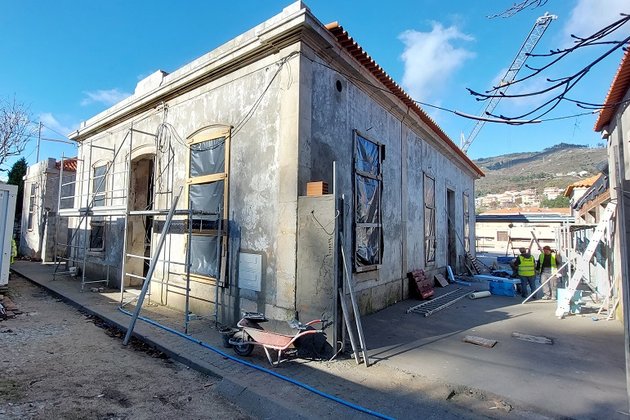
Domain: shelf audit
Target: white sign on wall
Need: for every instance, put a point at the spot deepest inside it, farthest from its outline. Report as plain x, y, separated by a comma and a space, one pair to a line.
249, 271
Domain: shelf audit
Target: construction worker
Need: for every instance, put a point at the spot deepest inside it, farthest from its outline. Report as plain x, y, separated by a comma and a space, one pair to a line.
525, 265
547, 266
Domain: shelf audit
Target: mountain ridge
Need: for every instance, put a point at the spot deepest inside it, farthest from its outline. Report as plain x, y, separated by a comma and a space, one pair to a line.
556, 166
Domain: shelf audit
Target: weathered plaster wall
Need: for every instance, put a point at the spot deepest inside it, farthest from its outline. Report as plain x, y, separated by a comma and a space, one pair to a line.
260, 102
39, 242
333, 116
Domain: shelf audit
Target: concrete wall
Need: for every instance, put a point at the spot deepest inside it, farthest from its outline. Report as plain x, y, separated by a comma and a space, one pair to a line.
290, 122
331, 119
619, 172
39, 242
261, 207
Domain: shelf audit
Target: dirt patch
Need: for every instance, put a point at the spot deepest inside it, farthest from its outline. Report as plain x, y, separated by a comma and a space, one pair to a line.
60, 363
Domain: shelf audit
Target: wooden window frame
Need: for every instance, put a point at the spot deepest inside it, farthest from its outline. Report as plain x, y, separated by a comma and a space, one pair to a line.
379, 224
205, 134
429, 239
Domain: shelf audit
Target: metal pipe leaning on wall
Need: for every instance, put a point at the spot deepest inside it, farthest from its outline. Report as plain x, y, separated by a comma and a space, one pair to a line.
479, 295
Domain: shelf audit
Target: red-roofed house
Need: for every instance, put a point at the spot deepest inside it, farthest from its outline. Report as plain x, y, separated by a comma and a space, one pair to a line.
243, 130
614, 125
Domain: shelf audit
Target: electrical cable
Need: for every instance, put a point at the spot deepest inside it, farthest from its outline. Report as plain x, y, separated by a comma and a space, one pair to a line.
261, 369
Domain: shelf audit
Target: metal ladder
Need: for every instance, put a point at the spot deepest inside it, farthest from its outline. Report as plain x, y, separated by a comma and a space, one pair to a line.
564, 305
437, 304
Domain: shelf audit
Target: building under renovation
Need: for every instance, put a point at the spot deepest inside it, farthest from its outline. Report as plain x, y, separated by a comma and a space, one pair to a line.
290, 158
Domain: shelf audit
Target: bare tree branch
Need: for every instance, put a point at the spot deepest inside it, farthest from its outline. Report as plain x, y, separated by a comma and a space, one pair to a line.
560, 85
15, 129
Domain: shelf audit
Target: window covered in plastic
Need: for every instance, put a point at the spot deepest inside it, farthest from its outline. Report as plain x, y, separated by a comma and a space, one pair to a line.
207, 185
368, 184
429, 219
203, 255
466, 223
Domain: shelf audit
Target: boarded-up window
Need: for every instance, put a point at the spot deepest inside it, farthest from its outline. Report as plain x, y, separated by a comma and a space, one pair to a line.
368, 184
429, 220
502, 236
466, 222
207, 186
99, 184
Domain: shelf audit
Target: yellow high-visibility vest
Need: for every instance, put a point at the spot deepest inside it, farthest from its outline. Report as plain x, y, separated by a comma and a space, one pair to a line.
526, 266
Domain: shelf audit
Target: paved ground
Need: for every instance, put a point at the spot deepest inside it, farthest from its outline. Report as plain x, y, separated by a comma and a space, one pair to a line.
420, 362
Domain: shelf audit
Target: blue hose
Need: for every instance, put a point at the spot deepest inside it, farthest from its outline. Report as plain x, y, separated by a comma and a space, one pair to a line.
262, 369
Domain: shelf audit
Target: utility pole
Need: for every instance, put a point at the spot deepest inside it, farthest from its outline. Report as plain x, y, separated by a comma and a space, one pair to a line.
39, 139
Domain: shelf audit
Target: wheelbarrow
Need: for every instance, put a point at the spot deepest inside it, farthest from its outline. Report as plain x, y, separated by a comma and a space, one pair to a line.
251, 333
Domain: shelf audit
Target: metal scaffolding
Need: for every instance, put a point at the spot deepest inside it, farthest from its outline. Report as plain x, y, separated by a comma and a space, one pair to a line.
102, 201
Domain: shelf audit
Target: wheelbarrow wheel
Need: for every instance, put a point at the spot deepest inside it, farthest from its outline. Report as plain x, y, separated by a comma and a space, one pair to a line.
244, 349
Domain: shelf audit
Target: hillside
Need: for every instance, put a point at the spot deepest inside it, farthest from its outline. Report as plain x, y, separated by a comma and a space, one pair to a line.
520, 171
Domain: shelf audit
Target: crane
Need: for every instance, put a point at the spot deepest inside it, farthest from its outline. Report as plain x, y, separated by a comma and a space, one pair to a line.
541, 25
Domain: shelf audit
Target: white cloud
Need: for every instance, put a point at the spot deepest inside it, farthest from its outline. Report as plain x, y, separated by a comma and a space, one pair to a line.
431, 58
50, 122
105, 97
589, 16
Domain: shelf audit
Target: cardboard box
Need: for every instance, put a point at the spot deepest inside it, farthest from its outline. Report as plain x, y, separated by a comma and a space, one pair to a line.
316, 188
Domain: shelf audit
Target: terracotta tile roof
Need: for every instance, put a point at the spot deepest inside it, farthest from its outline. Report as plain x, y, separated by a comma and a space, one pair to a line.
617, 91
69, 165
582, 183
350, 45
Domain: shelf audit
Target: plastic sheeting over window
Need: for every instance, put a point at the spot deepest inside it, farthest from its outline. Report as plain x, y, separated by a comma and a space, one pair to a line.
367, 203
368, 246
367, 157
429, 219
368, 200
207, 197
207, 157
203, 255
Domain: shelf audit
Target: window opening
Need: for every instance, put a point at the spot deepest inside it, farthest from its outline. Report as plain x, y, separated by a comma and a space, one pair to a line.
368, 186
31, 206
429, 219
466, 223
207, 186
99, 182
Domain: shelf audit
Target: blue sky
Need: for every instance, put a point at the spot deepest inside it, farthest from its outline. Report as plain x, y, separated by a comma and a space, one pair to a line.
69, 60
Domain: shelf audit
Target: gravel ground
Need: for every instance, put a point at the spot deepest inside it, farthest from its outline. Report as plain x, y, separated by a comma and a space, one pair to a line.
56, 362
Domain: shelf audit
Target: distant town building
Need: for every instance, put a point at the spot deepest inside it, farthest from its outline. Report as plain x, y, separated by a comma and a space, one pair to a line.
552, 193
505, 230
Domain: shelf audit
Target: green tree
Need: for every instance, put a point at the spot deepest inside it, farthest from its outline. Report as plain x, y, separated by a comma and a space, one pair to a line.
16, 177
559, 201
